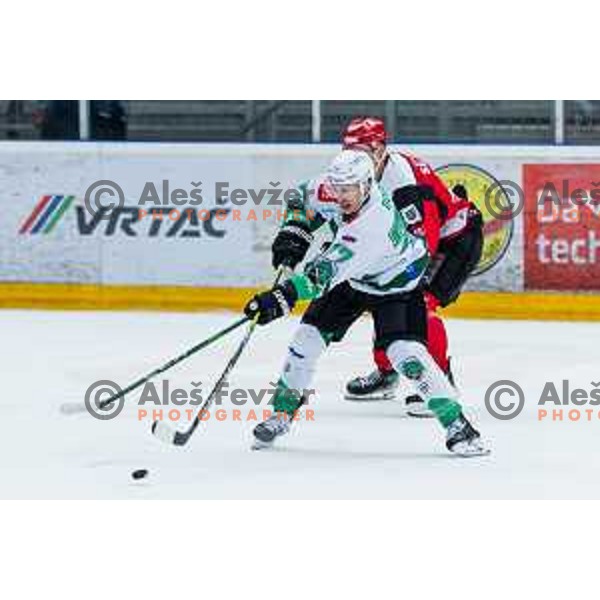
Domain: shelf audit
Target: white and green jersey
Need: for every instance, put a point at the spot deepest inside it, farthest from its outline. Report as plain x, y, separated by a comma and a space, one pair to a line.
374, 252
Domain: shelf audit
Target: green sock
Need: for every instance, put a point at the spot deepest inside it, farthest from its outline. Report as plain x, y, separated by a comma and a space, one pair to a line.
285, 399
445, 409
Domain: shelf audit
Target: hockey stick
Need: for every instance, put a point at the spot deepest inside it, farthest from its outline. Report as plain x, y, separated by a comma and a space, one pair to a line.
179, 438
76, 407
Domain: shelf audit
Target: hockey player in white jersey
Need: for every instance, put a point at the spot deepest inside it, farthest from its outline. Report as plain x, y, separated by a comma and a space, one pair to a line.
374, 264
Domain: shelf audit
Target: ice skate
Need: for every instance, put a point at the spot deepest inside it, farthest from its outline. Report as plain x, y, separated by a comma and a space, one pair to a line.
416, 407
374, 386
464, 440
268, 431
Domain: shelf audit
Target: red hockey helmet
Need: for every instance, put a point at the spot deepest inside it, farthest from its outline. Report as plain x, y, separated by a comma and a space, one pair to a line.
364, 131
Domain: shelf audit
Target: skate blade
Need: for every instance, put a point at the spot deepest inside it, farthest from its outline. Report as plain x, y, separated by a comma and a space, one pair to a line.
420, 414
371, 398
466, 450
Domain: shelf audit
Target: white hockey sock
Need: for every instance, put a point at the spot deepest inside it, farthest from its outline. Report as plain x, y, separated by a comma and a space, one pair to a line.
300, 365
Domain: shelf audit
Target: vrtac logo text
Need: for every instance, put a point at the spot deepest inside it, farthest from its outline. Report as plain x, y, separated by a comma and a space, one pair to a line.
126, 220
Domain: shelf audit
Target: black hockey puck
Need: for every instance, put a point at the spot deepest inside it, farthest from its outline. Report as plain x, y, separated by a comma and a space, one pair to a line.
140, 474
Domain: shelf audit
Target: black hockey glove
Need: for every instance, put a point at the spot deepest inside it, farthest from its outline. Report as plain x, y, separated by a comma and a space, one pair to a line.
291, 245
273, 304
413, 202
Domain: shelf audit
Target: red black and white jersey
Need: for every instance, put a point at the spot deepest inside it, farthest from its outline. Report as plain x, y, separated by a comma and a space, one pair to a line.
444, 216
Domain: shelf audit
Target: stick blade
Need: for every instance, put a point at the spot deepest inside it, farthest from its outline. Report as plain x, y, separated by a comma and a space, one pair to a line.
170, 436
181, 438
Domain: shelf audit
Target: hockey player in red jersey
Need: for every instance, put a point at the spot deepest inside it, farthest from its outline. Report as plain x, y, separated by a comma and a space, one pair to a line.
452, 228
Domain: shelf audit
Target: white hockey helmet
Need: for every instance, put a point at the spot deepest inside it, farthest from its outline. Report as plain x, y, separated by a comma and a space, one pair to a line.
352, 167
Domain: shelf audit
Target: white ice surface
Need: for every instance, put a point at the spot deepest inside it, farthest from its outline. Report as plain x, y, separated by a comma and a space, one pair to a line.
350, 450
